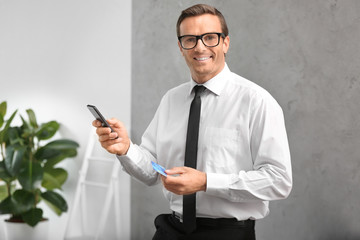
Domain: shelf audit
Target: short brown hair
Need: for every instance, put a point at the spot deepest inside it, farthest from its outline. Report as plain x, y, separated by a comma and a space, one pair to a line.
200, 9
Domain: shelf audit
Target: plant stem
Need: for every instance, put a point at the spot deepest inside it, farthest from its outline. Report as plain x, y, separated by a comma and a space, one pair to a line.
31, 144
8, 187
2, 150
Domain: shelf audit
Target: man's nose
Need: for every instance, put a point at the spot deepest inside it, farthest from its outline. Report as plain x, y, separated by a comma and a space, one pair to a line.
200, 45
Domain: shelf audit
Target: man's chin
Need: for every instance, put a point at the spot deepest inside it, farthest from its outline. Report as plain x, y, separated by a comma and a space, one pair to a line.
201, 76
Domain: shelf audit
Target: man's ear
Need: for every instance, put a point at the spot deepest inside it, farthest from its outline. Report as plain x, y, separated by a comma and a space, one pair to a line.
181, 49
226, 44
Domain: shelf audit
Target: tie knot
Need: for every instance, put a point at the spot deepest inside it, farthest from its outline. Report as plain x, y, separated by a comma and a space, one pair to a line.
199, 89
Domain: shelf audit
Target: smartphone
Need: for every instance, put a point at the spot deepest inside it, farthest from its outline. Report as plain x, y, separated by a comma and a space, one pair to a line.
98, 116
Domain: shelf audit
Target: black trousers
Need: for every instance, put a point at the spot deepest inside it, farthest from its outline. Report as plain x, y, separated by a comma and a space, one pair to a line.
168, 227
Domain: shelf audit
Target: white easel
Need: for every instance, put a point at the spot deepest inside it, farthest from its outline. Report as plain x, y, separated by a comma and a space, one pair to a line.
80, 201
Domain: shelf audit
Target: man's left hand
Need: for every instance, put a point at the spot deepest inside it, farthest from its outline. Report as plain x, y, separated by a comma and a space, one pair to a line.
187, 181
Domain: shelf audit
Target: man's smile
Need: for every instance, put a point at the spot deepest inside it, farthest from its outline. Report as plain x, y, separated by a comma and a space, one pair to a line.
202, 58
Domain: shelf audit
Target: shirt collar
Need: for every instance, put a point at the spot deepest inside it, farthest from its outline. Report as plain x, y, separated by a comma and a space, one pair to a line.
215, 84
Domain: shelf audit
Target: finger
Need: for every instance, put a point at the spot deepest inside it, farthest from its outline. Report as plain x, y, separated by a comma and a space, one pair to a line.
175, 188
112, 143
96, 123
113, 135
171, 182
104, 138
163, 178
115, 123
103, 131
109, 143
109, 136
169, 185
175, 170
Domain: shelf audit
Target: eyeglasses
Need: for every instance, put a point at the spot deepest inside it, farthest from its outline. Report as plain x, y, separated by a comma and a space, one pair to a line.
188, 42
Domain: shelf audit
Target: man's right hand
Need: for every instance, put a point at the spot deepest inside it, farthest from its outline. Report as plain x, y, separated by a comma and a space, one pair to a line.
108, 139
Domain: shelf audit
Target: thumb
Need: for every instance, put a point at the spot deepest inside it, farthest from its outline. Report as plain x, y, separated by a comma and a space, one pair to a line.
115, 122
175, 170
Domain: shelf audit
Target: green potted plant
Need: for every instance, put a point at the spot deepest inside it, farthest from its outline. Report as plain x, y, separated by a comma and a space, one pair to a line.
29, 161
4, 125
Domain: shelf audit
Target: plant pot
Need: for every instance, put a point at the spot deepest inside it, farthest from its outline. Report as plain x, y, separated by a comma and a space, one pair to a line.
22, 231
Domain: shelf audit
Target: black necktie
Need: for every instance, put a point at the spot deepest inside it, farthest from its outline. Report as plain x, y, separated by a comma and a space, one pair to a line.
189, 201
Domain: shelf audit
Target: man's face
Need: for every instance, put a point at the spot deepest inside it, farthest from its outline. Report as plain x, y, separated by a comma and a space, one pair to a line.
204, 62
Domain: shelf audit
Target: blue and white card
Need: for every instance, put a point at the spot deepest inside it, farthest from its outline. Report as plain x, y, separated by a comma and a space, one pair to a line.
158, 168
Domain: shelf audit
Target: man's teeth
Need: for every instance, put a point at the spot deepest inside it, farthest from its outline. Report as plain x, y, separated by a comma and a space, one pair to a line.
203, 58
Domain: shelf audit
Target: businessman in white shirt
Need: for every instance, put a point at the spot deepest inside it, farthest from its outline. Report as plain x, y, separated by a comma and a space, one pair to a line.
243, 158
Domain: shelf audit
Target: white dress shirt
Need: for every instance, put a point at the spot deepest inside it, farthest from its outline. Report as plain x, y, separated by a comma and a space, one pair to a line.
243, 147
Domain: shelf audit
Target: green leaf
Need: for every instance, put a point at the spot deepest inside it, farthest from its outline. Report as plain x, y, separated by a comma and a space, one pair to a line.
22, 201
62, 144
47, 130
3, 133
56, 151
33, 216
67, 153
18, 203
32, 118
13, 159
4, 174
1, 120
3, 107
55, 201
54, 178
3, 192
6, 206
14, 137
8, 122
46, 153
30, 177
25, 124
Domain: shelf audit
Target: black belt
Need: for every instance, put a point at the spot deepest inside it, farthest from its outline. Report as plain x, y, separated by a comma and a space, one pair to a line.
219, 222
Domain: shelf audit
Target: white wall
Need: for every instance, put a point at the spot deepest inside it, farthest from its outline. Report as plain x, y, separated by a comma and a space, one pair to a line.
58, 56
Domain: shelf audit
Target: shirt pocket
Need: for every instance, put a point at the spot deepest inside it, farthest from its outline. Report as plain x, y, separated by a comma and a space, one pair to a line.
221, 149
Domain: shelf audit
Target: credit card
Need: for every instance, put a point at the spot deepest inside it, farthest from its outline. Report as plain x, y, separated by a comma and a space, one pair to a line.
158, 168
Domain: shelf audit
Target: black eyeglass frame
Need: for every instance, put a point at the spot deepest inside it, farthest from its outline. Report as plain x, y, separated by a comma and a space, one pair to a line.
201, 38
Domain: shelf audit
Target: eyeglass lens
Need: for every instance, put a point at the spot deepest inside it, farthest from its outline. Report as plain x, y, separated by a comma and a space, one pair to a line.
209, 40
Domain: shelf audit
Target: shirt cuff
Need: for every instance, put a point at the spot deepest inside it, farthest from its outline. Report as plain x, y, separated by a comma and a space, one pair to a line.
131, 154
217, 184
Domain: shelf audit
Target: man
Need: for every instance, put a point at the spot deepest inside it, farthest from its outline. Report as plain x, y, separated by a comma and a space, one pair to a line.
243, 158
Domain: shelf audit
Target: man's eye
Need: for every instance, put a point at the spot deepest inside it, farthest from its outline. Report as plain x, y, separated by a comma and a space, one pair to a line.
190, 40
210, 37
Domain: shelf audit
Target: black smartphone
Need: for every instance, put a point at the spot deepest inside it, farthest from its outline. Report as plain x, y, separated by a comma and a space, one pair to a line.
98, 116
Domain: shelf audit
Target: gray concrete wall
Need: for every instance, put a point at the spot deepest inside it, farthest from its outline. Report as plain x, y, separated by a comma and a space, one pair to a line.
306, 53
